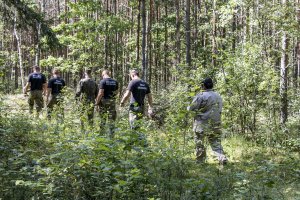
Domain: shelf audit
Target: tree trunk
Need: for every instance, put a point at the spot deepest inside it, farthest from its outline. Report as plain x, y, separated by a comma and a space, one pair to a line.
165, 72
144, 53
151, 15
20, 53
188, 32
214, 32
138, 34
106, 46
284, 76
178, 23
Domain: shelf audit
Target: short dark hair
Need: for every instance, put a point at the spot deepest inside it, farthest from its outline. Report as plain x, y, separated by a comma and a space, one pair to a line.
88, 71
134, 71
36, 68
106, 71
56, 71
208, 83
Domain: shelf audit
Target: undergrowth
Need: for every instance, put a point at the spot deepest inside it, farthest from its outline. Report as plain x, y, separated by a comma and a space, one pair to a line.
41, 159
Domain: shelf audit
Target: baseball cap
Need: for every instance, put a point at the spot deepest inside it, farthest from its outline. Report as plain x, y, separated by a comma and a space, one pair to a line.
208, 82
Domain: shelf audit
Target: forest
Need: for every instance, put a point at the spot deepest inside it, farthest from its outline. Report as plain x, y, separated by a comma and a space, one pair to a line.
251, 50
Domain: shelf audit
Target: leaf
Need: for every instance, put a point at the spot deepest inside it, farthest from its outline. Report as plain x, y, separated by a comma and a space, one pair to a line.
19, 182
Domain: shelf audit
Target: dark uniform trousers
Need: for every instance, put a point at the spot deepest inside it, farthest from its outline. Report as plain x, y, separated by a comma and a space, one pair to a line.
36, 96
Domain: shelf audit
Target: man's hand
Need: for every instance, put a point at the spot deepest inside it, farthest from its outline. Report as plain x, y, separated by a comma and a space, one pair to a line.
150, 111
25, 90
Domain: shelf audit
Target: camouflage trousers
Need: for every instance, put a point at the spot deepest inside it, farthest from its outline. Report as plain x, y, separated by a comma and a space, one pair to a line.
107, 112
36, 97
135, 114
55, 99
87, 112
213, 135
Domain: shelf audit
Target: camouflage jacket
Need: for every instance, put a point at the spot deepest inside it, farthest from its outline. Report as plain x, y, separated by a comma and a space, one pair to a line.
207, 106
87, 89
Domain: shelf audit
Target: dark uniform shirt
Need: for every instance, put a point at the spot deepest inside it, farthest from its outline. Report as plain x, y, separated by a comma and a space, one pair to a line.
139, 89
36, 81
56, 85
110, 87
87, 89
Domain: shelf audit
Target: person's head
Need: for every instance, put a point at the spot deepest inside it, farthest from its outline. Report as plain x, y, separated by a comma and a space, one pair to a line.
36, 68
207, 83
105, 73
88, 72
56, 72
134, 73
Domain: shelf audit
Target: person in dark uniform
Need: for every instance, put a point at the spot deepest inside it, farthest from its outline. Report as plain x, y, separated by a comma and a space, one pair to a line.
87, 92
55, 86
207, 109
37, 84
106, 101
137, 90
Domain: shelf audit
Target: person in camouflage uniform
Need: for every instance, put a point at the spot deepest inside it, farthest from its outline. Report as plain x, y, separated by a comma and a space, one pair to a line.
37, 84
55, 86
137, 90
106, 101
207, 107
87, 91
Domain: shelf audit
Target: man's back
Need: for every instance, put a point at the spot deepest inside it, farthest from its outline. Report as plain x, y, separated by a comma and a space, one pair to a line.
56, 84
139, 89
88, 89
208, 106
36, 80
110, 86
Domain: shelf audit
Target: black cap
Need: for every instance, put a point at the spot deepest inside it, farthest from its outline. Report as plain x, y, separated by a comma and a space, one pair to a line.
208, 83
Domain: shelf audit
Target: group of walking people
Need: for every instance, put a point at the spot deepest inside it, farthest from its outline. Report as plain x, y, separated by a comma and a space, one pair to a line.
206, 106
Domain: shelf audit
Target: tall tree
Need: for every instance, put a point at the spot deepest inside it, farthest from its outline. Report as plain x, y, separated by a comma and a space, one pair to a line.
188, 59
144, 37
20, 52
284, 74
178, 23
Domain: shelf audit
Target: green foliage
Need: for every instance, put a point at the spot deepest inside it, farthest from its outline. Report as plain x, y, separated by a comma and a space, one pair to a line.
27, 17
57, 159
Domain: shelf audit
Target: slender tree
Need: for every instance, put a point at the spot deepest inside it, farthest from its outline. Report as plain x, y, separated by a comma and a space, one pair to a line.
284, 75
188, 32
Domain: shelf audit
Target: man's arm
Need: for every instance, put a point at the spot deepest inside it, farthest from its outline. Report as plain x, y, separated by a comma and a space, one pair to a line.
97, 90
125, 97
79, 89
45, 88
150, 101
49, 90
44, 84
100, 95
26, 87
195, 105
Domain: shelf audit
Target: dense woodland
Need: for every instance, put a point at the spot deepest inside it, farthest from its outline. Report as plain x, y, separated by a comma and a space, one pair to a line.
251, 49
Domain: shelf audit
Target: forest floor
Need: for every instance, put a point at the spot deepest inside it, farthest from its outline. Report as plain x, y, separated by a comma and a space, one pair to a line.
254, 171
